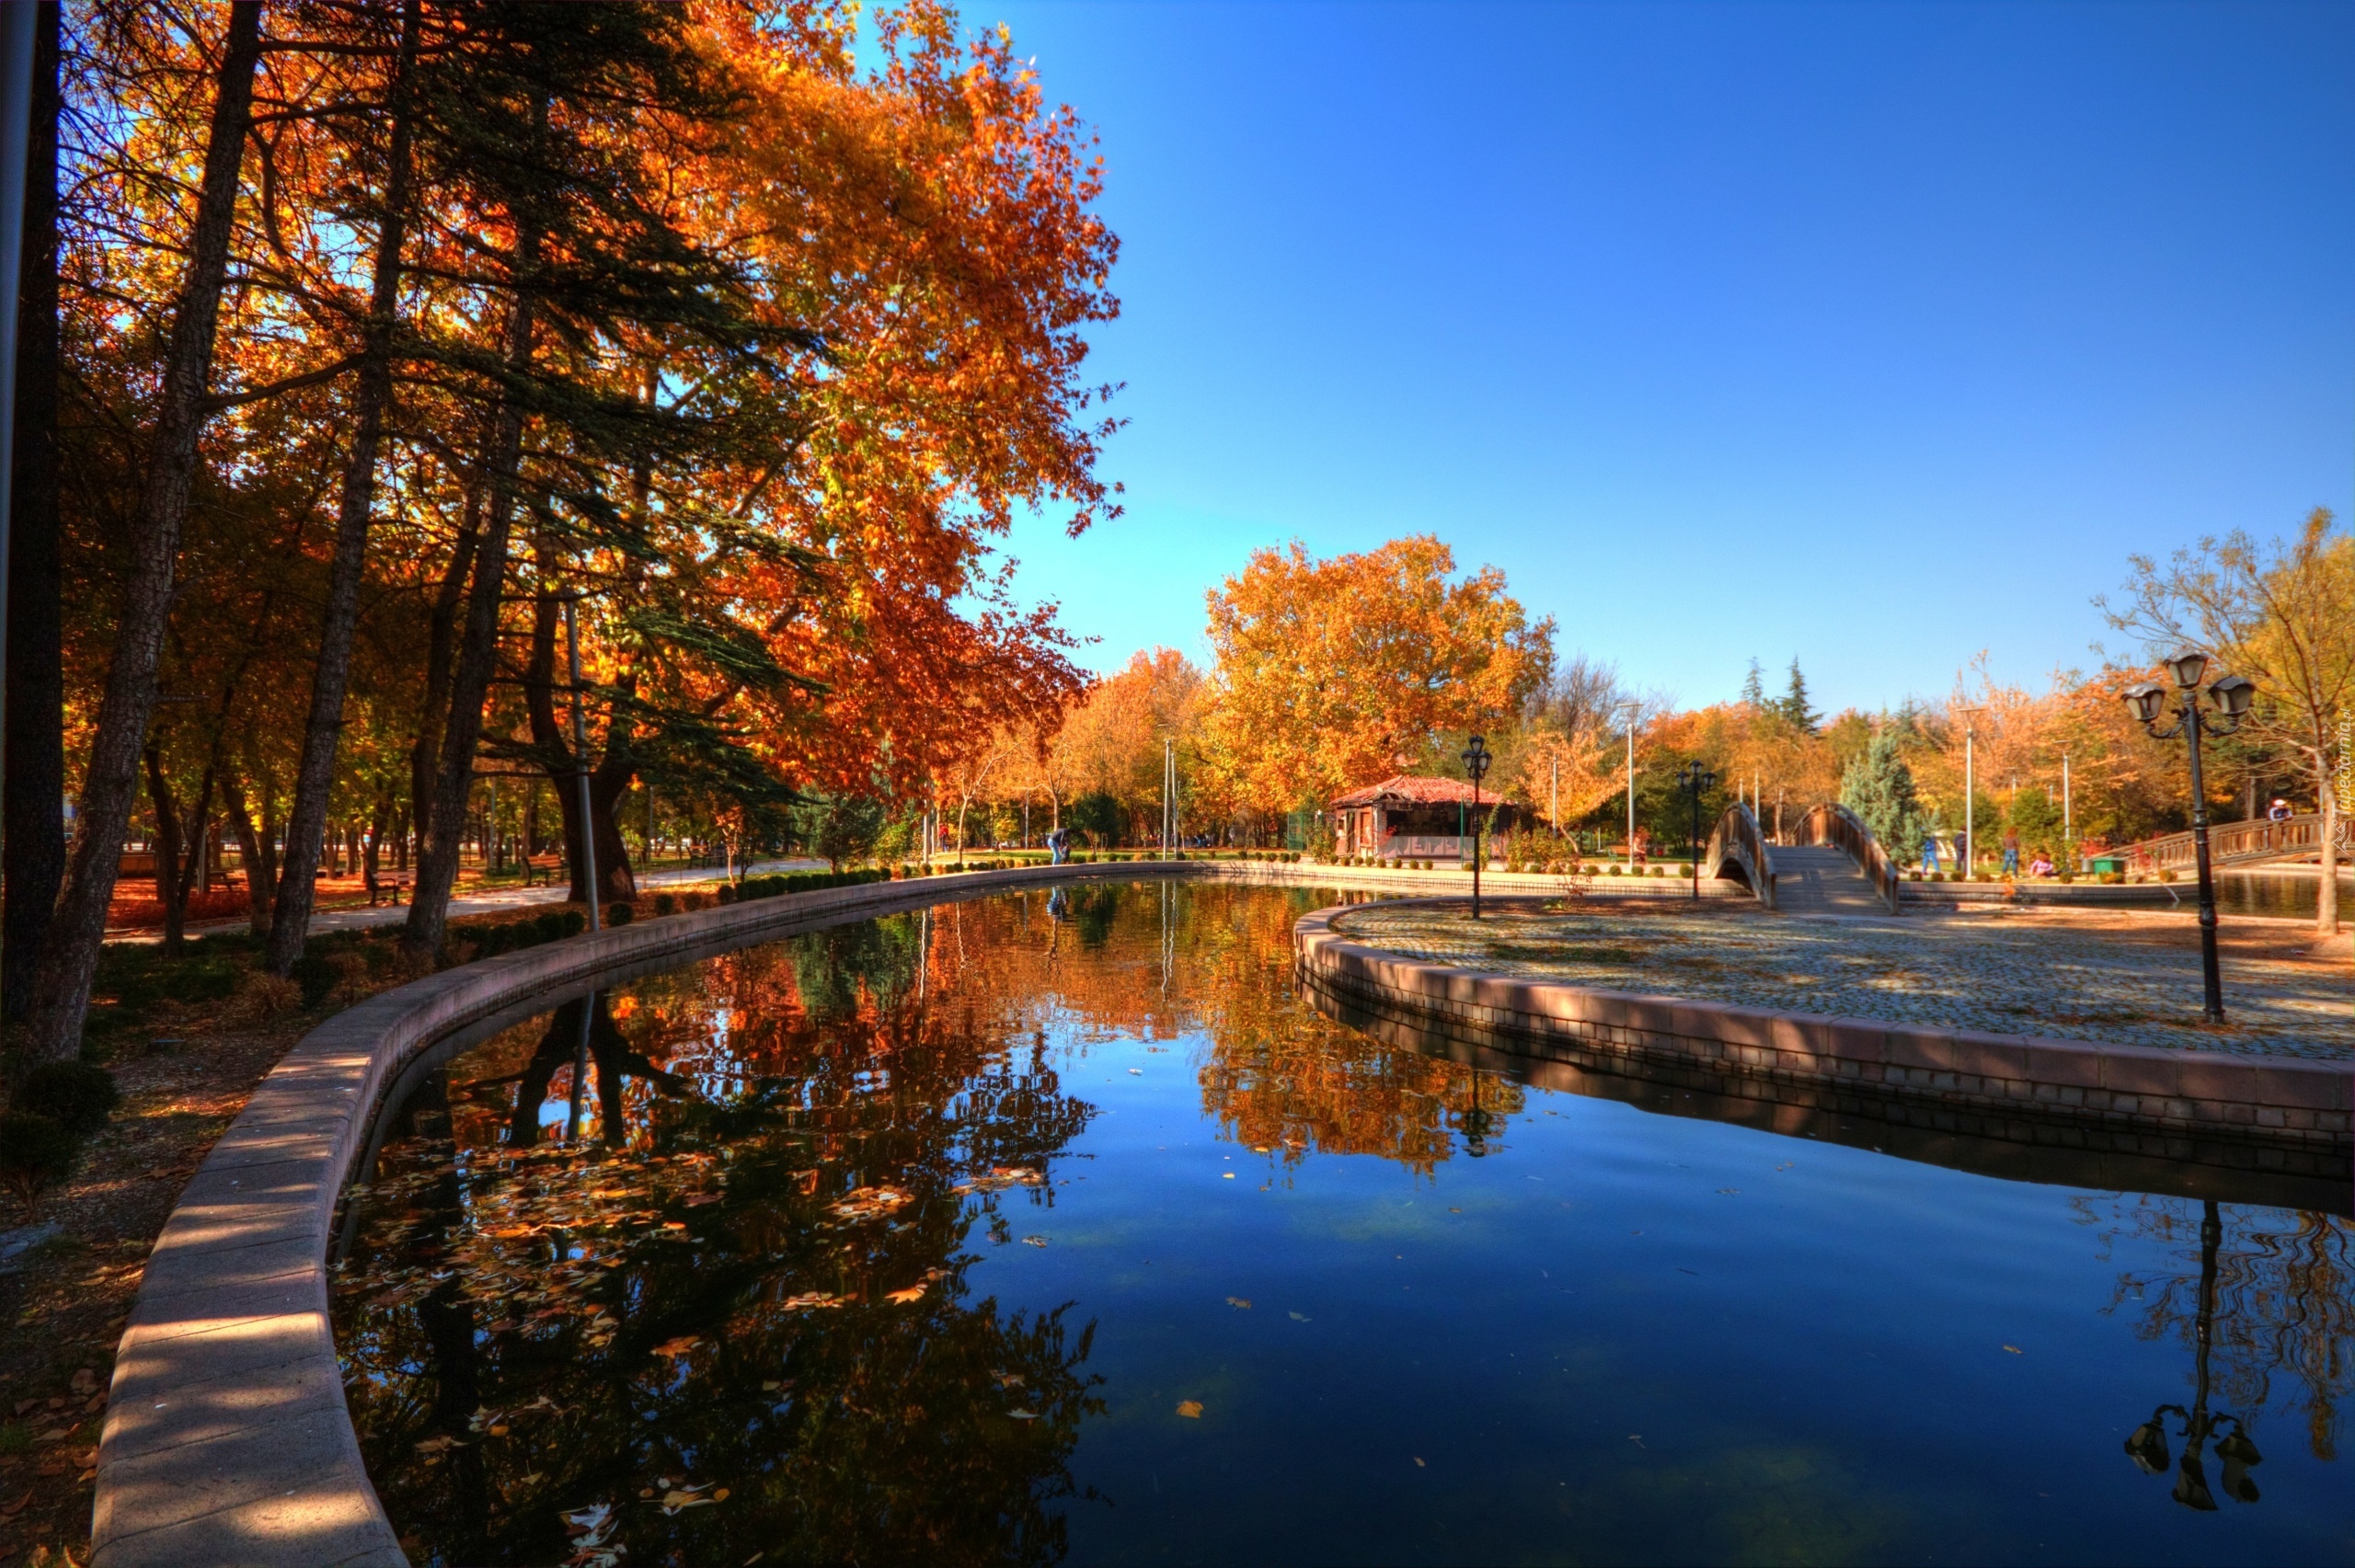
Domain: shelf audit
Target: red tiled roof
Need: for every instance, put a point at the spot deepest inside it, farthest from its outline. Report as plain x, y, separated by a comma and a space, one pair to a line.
1403, 789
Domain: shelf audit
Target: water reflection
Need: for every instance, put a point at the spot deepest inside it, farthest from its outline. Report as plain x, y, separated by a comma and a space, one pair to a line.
770, 1297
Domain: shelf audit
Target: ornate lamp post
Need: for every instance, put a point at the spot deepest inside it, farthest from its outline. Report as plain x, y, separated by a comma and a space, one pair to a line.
2232, 695
1475, 768
2148, 1445
1696, 781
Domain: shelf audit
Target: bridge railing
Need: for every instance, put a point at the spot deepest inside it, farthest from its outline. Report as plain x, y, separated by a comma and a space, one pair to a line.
2257, 839
1838, 826
1737, 839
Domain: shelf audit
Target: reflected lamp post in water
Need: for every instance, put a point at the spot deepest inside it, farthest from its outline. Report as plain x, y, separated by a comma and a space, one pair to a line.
2232, 695
1477, 759
1696, 781
1475, 1123
2148, 1444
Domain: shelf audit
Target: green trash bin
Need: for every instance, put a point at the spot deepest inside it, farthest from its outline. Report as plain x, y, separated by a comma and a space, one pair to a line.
2108, 863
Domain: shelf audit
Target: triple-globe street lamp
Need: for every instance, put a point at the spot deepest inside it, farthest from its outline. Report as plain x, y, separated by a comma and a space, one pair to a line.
1476, 758
1696, 781
2232, 695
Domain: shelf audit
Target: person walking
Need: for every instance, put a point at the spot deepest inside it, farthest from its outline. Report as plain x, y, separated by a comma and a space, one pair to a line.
1930, 855
2011, 852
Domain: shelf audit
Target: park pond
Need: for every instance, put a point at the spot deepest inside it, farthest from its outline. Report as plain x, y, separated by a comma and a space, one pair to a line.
1057, 1227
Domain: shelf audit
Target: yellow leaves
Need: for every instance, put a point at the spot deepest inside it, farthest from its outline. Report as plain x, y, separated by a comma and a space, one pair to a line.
1191, 1409
913, 1293
1328, 671
674, 1348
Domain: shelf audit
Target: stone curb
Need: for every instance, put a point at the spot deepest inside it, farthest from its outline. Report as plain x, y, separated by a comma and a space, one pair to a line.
227, 1441
2284, 1105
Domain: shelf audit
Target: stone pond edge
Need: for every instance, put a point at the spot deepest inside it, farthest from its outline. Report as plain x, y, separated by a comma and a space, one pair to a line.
2285, 1102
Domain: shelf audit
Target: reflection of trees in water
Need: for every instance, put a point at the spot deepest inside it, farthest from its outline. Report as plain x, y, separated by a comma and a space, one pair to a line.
780, 1141
755, 1347
2283, 1340
1281, 1076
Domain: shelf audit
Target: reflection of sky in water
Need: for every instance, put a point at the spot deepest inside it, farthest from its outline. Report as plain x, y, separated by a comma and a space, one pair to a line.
1619, 1336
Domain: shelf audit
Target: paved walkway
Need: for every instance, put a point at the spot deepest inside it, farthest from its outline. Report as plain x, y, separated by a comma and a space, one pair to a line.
1821, 880
483, 903
1970, 972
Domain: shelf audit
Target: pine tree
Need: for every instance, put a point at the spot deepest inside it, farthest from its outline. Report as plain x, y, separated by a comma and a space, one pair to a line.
1753, 687
1879, 787
1794, 705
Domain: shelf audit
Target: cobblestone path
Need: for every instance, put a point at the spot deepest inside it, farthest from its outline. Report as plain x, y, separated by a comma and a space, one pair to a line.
1962, 973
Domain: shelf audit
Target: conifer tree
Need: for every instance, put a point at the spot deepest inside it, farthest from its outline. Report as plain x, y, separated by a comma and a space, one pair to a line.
1753, 687
1794, 705
1879, 787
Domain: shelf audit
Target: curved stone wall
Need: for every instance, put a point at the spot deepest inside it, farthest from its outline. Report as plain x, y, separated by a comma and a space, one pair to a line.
2267, 1113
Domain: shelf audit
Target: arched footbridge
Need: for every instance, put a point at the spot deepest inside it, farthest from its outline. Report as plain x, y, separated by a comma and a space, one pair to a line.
1829, 864
2253, 842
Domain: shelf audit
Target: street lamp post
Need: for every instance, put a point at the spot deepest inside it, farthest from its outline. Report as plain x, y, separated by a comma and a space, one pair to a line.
1696, 781
1475, 768
1629, 710
2232, 695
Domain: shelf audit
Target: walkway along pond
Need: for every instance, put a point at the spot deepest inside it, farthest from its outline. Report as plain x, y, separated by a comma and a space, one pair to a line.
1061, 1224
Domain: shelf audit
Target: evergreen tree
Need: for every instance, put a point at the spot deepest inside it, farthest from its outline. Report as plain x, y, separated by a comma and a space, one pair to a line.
1753, 687
1794, 705
1879, 787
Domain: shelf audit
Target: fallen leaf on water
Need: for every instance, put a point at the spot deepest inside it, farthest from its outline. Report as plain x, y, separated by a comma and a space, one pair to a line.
1228, 1174
1242, 1301
2013, 1349
437, 1444
1729, 1191
1137, 1071
1456, 1211
913, 1293
1191, 1409
675, 1500
1034, 1240
677, 1347
1023, 1414
1299, 1317
1420, 1465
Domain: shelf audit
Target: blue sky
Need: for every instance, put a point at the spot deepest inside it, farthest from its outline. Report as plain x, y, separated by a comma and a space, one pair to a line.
1877, 335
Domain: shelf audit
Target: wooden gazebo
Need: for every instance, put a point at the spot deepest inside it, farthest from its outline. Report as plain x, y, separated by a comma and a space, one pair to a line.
1408, 818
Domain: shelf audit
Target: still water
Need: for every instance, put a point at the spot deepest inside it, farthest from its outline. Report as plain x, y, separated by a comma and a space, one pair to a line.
1059, 1229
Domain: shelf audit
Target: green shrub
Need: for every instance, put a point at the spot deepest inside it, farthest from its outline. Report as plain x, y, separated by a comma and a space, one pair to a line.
2166, 876
666, 904
35, 1155
76, 1096
619, 914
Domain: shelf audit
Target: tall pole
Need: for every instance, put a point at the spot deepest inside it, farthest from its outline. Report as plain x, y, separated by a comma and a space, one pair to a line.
581, 775
2211, 980
1631, 785
2068, 821
1970, 831
17, 34
1555, 810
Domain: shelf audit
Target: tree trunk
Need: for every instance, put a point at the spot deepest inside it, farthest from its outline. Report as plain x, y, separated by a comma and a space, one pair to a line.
437, 869
61, 986
167, 848
371, 394
2326, 894
34, 772
373, 852
441, 638
258, 885
608, 781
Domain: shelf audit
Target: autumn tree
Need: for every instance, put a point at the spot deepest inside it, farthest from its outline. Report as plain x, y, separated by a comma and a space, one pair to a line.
2282, 613
1328, 672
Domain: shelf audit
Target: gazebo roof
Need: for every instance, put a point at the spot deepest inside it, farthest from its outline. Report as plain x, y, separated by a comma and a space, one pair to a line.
1406, 789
